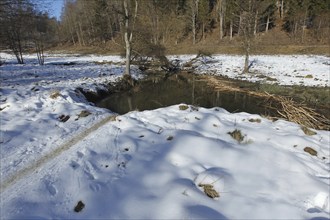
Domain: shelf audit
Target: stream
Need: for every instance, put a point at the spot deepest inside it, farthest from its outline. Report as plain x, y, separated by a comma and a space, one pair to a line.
158, 91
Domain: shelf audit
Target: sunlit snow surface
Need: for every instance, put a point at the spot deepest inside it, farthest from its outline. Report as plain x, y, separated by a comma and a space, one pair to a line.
305, 70
148, 165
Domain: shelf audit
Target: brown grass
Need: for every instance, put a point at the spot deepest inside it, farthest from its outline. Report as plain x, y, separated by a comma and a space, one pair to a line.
209, 190
298, 113
84, 113
183, 107
237, 135
311, 151
308, 131
286, 107
257, 120
55, 94
114, 118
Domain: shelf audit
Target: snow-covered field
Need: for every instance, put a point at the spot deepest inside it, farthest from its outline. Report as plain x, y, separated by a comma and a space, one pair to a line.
304, 70
62, 158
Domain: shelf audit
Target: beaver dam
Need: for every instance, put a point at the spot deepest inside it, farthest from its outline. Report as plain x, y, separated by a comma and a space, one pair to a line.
157, 91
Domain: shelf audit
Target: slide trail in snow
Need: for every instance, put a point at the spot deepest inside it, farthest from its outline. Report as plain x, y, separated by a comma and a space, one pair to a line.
51, 155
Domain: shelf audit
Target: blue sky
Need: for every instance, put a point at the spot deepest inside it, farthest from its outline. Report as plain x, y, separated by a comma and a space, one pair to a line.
56, 8
53, 7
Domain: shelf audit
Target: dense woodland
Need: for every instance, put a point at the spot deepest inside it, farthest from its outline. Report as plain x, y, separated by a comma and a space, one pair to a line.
87, 22
145, 27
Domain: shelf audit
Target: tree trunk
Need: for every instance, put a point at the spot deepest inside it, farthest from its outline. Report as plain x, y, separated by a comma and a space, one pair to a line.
319, 35
304, 27
40, 53
72, 35
16, 46
239, 25
194, 27
282, 9
194, 13
221, 12
231, 29
278, 6
20, 53
221, 25
295, 27
267, 24
303, 33
203, 31
81, 34
18, 56
255, 24
127, 40
128, 36
128, 55
78, 34
247, 55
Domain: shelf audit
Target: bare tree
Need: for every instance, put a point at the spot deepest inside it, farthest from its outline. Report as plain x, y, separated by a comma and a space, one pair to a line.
128, 35
194, 14
221, 9
43, 34
15, 21
247, 27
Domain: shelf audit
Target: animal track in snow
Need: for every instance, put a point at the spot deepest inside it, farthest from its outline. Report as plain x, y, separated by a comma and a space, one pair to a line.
95, 187
321, 202
50, 186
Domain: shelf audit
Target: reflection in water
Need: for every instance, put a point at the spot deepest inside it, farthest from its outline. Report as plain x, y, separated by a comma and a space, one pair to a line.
154, 93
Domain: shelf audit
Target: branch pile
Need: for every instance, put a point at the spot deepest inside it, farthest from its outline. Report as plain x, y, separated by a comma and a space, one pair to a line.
286, 107
298, 113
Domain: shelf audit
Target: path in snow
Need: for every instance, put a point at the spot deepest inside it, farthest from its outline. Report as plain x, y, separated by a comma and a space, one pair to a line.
51, 155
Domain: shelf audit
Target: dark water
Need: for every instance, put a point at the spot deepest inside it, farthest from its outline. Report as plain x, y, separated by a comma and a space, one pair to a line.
156, 93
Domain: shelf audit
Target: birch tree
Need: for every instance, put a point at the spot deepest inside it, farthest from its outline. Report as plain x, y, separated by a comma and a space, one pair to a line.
221, 9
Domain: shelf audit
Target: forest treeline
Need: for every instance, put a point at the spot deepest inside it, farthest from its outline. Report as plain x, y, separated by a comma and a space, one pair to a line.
146, 26
87, 22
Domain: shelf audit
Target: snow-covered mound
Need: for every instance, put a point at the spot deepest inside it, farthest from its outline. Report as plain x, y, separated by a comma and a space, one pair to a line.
150, 164
62, 158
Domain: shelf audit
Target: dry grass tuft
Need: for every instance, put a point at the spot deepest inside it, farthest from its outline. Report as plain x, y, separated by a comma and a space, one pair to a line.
237, 135
308, 131
55, 94
311, 151
209, 190
114, 118
257, 120
183, 107
84, 113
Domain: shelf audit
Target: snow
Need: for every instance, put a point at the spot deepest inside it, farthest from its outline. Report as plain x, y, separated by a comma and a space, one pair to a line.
152, 164
307, 70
